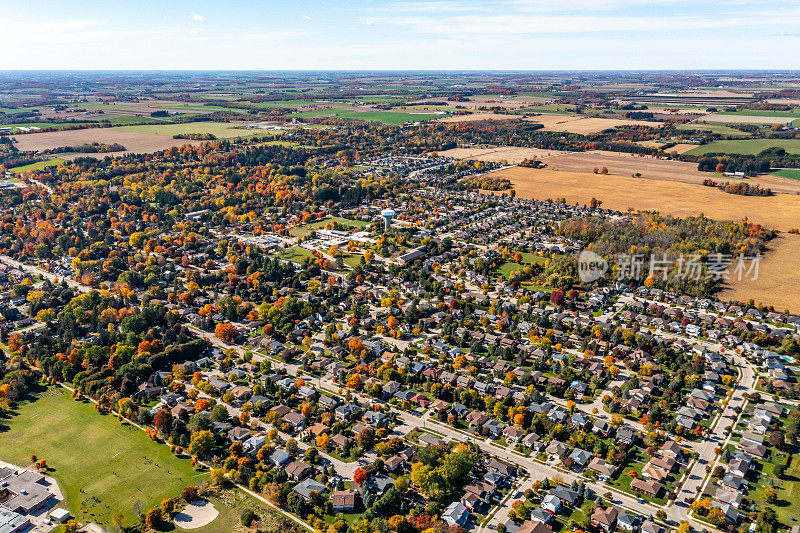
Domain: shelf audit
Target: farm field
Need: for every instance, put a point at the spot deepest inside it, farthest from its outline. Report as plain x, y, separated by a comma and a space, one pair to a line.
101, 466
713, 128
781, 211
385, 117
745, 119
513, 154
221, 130
652, 168
791, 113
39, 165
747, 147
778, 277
791, 173
133, 141
585, 125
477, 117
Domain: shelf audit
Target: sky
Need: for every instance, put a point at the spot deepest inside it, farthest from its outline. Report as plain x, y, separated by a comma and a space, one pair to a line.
400, 35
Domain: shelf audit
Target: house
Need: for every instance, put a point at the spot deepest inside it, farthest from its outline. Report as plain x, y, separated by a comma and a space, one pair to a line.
626, 434
565, 494
513, 434
295, 421
604, 518
344, 501
279, 458
580, 457
307, 486
629, 521
298, 470
602, 467
501, 468
533, 526
344, 412
455, 514
551, 503
651, 487
428, 439
556, 449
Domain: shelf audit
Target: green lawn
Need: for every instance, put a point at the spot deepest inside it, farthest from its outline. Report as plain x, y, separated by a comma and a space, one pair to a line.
101, 466
384, 117
746, 147
295, 253
510, 266
788, 488
39, 165
791, 173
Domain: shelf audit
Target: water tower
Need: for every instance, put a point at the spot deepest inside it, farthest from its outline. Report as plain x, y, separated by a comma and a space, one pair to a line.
387, 215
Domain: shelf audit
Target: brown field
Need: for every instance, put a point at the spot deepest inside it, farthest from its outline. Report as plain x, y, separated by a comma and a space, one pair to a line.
652, 168
781, 211
585, 125
134, 142
678, 148
778, 277
513, 154
744, 119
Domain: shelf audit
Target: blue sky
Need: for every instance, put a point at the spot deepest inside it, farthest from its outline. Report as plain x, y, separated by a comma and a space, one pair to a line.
420, 35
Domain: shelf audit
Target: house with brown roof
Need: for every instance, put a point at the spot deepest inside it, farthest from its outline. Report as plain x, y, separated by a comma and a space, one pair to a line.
344, 501
649, 486
604, 518
298, 470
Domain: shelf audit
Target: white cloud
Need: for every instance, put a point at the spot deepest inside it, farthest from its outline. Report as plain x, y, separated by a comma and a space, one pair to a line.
198, 18
306, 18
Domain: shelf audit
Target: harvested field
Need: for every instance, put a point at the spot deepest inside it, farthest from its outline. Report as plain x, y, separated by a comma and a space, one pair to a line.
585, 125
779, 281
680, 148
745, 119
513, 154
778, 277
134, 142
781, 211
653, 169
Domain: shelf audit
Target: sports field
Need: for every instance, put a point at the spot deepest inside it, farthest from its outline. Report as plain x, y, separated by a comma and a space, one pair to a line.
101, 466
746, 147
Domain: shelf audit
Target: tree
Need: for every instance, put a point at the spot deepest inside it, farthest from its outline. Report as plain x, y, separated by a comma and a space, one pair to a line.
202, 443
226, 332
167, 507
217, 477
153, 518
770, 495
359, 476
162, 421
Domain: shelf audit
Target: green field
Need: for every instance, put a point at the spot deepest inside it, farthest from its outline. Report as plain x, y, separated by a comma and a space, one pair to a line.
39, 165
713, 128
101, 466
508, 267
792, 113
222, 130
384, 117
791, 173
295, 253
746, 147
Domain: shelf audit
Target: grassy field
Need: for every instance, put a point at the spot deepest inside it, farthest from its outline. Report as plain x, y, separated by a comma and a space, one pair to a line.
508, 267
295, 253
713, 128
746, 147
39, 165
384, 117
791, 173
231, 504
222, 130
101, 466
